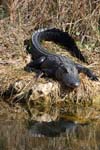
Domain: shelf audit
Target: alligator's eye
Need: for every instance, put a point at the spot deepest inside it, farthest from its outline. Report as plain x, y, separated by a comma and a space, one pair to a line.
65, 70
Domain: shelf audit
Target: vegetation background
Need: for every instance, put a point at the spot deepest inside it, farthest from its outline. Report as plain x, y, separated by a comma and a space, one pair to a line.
79, 18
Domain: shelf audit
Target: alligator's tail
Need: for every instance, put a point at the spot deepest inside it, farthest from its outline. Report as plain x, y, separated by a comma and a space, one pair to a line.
57, 36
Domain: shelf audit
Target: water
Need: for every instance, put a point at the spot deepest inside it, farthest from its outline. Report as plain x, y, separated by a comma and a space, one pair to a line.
60, 134
67, 127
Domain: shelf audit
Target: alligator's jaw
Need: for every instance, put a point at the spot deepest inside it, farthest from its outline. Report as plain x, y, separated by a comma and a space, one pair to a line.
71, 81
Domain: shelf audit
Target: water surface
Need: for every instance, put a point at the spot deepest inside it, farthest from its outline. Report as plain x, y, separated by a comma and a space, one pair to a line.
60, 134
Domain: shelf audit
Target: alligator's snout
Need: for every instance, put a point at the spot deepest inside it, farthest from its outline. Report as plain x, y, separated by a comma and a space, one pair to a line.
70, 80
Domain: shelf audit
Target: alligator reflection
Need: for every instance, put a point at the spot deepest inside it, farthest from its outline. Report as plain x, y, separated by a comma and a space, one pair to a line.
53, 128
14, 135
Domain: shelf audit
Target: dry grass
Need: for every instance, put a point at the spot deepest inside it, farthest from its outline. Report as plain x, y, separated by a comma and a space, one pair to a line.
80, 18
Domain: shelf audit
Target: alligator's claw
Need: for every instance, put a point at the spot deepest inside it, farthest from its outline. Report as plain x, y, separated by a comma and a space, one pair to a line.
92, 76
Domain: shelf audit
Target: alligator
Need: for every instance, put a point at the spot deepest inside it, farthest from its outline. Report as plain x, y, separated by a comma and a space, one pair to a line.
53, 128
57, 66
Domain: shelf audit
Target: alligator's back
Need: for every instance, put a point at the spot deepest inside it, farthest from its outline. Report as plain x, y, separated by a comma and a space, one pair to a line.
58, 37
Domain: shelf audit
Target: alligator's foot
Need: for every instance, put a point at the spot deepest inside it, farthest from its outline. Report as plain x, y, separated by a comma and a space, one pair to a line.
91, 75
87, 71
35, 64
29, 67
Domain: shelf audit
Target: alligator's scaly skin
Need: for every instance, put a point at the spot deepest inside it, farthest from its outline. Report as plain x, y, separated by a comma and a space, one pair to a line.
57, 66
57, 36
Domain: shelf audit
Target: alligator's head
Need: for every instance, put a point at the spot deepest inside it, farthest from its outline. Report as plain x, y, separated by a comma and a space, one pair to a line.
68, 74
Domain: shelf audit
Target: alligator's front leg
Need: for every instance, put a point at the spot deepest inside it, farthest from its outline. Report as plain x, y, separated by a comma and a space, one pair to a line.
86, 71
48, 72
35, 63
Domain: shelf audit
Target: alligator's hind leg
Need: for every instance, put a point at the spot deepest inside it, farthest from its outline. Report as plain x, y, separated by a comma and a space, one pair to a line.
87, 71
